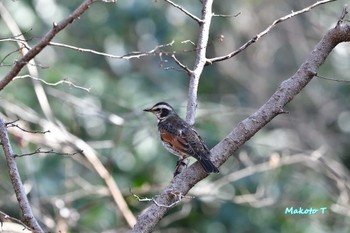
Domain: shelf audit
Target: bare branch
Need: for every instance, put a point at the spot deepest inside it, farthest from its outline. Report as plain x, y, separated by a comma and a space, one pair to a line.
64, 81
16, 181
188, 41
31, 65
16, 37
11, 124
185, 11
247, 128
226, 16
185, 68
200, 61
39, 151
7, 55
343, 14
44, 42
126, 56
63, 139
263, 167
179, 197
267, 30
332, 79
4, 216
88, 152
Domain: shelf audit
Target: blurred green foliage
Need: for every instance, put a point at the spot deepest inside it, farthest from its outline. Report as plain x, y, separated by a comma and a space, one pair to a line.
63, 189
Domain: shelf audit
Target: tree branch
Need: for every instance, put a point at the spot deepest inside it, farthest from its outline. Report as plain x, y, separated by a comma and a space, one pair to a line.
128, 56
62, 140
267, 30
31, 65
246, 129
56, 28
16, 181
64, 81
201, 59
185, 11
88, 152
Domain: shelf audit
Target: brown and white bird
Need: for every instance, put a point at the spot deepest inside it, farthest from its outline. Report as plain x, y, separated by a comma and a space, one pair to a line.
180, 138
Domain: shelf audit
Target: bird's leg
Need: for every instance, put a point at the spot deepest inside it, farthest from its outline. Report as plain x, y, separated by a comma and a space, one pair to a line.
180, 166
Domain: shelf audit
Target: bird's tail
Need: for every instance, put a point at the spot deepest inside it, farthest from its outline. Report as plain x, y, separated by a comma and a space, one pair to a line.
208, 166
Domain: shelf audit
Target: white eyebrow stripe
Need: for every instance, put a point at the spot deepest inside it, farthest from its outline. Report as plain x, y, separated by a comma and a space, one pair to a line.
162, 106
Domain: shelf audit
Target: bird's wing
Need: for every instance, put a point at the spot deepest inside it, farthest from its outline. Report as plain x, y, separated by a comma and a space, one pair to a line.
200, 151
175, 139
186, 140
198, 148
187, 143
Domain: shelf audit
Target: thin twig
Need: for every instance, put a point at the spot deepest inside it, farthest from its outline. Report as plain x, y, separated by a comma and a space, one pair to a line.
198, 20
343, 14
126, 56
332, 79
39, 151
226, 16
267, 30
56, 28
188, 41
62, 138
30, 63
179, 197
64, 81
10, 124
9, 54
263, 167
185, 68
4, 216
15, 36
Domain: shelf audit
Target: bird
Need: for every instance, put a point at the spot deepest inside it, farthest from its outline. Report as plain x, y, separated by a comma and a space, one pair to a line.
180, 138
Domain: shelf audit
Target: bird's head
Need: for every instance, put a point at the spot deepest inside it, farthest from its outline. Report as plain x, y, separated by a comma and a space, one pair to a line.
161, 110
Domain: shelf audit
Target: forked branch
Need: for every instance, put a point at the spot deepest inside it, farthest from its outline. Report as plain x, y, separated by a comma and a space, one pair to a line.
247, 128
56, 28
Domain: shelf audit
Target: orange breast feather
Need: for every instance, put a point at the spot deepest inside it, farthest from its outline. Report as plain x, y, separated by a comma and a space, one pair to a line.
177, 142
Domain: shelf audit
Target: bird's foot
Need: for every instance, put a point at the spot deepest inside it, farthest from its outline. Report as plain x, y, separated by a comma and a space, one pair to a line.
180, 166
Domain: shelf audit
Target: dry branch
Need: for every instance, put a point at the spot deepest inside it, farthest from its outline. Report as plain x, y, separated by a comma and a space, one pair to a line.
200, 61
265, 32
88, 152
56, 28
16, 181
246, 129
185, 11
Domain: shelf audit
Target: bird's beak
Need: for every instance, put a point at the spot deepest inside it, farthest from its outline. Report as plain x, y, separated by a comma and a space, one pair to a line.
147, 110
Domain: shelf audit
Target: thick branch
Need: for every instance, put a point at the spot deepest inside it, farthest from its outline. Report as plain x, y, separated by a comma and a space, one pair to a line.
288, 89
16, 181
56, 28
201, 48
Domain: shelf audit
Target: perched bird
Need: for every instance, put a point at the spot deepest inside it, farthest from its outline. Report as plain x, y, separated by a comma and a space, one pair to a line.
180, 138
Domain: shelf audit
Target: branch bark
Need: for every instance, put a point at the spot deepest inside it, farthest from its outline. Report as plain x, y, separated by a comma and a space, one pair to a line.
287, 90
16, 181
201, 59
56, 28
266, 31
88, 152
